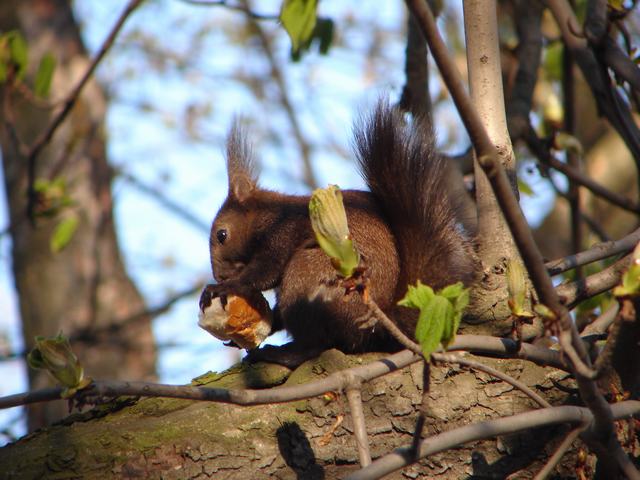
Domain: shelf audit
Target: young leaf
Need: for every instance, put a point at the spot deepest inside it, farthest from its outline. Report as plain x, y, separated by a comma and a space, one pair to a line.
63, 233
432, 323
329, 223
19, 52
42, 83
298, 18
440, 314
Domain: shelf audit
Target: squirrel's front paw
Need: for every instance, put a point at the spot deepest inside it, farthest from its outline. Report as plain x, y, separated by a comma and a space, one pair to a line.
288, 355
210, 292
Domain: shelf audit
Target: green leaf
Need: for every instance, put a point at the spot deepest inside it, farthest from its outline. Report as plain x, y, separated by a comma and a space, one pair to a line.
431, 324
19, 52
44, 75
440, 313
63, 233
298, 17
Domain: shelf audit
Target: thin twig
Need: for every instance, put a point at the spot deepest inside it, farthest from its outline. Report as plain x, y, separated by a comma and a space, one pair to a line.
422, 414
573, 159
604, 358
91, 334
481, 367
44, 138
336, 381
354, 397
595, 253
229, 6
541, 151
278, 77
601, 324
165, 201
575, 292
559, 453
443, 357
609, 100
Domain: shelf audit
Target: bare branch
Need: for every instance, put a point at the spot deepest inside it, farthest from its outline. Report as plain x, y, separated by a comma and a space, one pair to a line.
479, 344
278, 78
354, 397
68, 104
573, 159
239, 8
601, 324
449, 358
608, 99
537, 147
595, 253
165, 201
575, 292
489, 429
559, 453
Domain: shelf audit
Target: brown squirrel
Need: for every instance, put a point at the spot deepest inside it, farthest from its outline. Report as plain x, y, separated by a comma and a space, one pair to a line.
406, 229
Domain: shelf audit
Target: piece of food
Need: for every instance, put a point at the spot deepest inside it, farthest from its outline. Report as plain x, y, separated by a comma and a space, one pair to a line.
247, 322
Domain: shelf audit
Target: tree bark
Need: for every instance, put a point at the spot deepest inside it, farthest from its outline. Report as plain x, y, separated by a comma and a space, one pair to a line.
496, 247
83, 290
167, 438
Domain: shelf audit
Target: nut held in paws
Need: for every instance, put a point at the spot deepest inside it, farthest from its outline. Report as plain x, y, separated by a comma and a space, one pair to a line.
246, 323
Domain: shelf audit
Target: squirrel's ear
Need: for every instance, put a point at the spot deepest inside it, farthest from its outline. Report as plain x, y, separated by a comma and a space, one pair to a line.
240, 165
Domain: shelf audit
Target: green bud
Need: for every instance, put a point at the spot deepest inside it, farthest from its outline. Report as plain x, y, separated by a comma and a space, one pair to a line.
545, 312
630, 286
517, 286
329, 222
55, 356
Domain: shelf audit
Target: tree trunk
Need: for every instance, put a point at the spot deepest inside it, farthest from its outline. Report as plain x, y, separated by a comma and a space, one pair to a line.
167, 438
83, 290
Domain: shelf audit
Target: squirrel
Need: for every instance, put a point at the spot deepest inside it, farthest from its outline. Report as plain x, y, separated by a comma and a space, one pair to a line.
406, 228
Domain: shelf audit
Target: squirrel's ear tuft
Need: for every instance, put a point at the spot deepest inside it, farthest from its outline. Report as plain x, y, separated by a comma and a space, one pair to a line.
240, 165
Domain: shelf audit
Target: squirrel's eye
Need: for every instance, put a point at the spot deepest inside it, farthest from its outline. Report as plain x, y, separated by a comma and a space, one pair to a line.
221, 235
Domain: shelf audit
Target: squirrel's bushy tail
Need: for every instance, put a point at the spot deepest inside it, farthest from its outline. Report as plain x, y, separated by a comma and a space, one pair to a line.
402, 168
